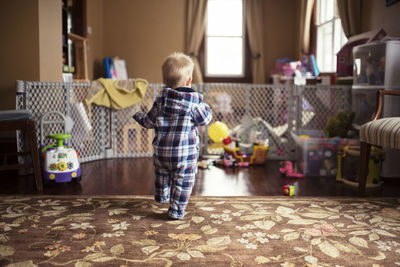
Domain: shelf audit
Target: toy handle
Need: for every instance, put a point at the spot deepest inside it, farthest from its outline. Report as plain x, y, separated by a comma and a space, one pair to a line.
47, 147
60, 137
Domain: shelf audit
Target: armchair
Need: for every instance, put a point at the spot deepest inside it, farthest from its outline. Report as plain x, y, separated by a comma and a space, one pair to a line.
384, 132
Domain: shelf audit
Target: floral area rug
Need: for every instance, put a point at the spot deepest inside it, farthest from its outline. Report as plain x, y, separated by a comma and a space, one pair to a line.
216, 231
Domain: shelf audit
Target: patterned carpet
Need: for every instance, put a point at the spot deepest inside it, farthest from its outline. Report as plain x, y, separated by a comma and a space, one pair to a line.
217, 231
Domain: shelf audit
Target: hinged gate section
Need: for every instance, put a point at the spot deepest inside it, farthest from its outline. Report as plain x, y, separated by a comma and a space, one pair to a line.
99, 132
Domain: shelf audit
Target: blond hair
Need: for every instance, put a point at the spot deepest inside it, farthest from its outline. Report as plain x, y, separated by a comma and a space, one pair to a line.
177, 69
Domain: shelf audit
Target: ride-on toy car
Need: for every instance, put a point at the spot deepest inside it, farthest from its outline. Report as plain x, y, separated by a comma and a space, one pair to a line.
60, 163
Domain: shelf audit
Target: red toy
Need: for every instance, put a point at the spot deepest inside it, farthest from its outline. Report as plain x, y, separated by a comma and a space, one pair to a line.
288, 171
288, 190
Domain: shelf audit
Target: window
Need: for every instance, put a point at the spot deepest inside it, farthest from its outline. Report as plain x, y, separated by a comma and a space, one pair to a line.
330, 35
223, 52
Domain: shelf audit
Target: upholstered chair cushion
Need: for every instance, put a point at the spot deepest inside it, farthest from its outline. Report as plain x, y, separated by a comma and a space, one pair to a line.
383, 132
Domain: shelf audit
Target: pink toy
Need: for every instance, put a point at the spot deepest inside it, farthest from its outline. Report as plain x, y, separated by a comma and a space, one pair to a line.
287, 170
229, 161
242, 164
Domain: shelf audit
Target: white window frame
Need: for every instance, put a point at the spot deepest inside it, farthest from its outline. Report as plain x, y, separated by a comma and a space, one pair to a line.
333, 24
242, 74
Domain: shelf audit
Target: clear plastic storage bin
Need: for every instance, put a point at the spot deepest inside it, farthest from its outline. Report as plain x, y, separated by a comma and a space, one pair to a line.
376, 66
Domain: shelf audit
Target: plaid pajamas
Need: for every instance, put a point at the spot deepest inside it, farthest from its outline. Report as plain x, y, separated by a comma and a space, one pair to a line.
175, 117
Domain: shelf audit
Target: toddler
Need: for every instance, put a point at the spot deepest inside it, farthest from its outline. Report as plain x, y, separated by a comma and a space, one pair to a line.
176, 114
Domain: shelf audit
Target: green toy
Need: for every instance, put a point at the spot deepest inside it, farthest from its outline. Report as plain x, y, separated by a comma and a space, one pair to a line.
339, 125
59, 137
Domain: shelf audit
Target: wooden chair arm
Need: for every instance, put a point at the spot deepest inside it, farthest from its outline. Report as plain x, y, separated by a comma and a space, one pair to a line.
379, 101
77, 37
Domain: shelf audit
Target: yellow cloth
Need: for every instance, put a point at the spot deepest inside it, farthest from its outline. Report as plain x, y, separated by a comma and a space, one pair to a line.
116, 94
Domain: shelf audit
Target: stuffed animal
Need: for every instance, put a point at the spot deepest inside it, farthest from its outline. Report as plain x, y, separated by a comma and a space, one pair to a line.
339, 125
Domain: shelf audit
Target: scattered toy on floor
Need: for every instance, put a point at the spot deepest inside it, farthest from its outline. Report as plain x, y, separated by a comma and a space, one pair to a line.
205, 163
242, 164
228, 160
258, 155
288, 190
208, 160
288, 171
60, 162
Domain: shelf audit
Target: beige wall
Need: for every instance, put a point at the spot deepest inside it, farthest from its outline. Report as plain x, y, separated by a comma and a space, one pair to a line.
143, 33
94, 21
280, 32
50, 40
30, 47
19, 51
377, 15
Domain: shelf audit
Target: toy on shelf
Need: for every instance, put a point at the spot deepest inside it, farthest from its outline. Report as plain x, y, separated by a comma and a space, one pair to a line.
60, 162
288, 171
288, 190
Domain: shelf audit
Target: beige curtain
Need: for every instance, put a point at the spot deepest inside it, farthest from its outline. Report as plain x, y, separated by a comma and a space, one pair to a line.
350, 16
306, 10
254, 22
195, 25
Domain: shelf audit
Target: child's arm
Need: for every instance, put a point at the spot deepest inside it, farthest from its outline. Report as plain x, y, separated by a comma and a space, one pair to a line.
202, 114
147, 120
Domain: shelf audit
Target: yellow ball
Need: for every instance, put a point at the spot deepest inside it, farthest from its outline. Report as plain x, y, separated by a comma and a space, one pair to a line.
218, 131
52, 176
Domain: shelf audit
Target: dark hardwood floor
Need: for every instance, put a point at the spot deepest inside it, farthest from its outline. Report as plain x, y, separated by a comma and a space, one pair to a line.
135, 177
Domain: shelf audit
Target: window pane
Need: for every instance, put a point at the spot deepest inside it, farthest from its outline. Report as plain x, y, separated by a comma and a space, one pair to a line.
340, 39
324, 48
224, 56
322, 8
336, 39
325, 10
330, 9
330, 35
224, 18
336, 10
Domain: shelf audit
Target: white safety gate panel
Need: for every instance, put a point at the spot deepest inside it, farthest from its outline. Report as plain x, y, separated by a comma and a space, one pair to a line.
99, 132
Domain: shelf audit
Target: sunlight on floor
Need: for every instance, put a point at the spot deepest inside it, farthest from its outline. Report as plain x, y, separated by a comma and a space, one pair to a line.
219, 185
